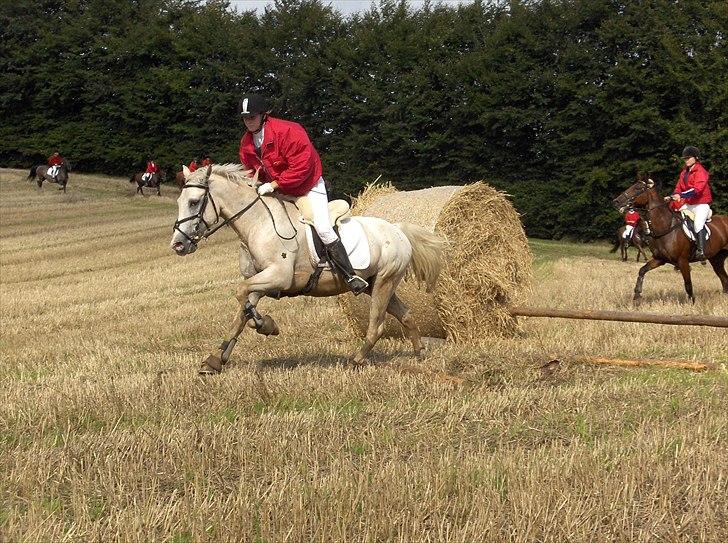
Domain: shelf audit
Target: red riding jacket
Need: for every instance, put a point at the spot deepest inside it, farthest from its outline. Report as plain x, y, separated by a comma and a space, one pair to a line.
193, 166
55, 160
287, 157
694, 187
632, 218
151, 167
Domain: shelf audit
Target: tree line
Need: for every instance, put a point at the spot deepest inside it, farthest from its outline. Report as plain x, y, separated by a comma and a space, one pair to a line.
559, 103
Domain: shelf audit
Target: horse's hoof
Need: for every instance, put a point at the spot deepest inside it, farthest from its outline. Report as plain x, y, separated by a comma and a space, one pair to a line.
357, 362
269, 328
211, 366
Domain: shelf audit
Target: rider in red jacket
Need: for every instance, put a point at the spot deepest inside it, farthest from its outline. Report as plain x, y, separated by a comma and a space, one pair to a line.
152, 168
193, 165
54, 163
287, 162
693, 185
631, 219
55, 159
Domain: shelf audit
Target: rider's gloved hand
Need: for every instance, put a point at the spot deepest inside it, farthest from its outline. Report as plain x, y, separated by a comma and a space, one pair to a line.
265, 188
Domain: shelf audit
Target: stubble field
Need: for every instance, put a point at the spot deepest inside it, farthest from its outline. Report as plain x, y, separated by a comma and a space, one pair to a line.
108, 434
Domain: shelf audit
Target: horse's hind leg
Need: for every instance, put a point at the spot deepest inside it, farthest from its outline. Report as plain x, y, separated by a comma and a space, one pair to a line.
641, 250
623, 249
718, 263
382, 292
401, 312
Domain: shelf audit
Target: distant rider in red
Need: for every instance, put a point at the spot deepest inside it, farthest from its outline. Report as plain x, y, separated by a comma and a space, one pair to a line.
54, 163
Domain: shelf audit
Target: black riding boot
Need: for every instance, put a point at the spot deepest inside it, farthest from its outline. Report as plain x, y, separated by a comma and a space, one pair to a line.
340, 260
700, 238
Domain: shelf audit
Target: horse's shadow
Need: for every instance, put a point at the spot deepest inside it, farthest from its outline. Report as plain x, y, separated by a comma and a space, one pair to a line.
327, 360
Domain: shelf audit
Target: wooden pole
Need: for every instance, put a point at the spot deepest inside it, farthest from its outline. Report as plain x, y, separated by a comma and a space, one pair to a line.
624, 316
682, 364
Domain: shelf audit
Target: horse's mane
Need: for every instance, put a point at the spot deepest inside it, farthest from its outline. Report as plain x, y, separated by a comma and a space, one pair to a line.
234, 172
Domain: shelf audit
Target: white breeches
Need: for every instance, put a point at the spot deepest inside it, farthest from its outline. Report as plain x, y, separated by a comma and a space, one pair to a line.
53, 171
146, 177
702, 214
320, 209
627, 231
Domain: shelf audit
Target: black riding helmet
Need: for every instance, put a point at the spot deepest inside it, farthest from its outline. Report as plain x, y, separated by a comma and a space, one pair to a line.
691, 151
252, 104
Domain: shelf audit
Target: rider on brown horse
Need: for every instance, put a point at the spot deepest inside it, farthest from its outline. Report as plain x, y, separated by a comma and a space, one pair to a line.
693, 186
631, 220
54, 165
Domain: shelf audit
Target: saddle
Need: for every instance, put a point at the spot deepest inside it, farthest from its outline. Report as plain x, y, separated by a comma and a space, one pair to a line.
350, 232
338, 211
688, 218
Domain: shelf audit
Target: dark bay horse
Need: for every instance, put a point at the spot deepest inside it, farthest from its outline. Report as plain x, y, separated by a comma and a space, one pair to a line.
668, 242
179, 179
40, 174
153, 182
635, 241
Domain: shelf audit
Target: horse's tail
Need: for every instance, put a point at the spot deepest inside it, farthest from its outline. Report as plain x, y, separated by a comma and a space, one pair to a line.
616, 245
31, 175
427, 248
131, 179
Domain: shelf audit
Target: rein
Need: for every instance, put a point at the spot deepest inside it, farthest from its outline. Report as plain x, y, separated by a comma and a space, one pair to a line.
648, 210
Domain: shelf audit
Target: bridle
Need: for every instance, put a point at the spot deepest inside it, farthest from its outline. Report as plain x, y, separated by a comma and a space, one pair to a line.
629, 202
210, 229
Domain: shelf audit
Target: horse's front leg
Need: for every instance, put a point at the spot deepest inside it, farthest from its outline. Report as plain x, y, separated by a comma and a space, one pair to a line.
249, 293
684, 265
651, 265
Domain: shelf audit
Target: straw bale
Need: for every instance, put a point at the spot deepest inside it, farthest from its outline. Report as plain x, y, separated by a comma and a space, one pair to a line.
487, 263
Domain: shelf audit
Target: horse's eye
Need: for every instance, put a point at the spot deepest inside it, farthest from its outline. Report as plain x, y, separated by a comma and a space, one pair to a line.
193, 203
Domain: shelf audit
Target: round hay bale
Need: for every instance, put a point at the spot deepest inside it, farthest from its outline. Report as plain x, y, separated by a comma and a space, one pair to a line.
486, 268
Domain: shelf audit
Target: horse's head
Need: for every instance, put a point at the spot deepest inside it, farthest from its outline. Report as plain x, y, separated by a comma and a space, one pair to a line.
196, 212
635, 195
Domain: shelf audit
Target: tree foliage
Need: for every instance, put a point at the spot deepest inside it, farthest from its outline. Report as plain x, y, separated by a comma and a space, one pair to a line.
559, 103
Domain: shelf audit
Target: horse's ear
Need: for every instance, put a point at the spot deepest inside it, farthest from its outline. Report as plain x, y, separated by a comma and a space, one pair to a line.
650, 183
185, 171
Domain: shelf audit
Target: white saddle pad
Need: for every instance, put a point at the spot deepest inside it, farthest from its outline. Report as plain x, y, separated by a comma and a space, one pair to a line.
691, 235
355, 241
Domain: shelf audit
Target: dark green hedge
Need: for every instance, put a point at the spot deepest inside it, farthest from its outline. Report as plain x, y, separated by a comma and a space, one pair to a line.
558, 103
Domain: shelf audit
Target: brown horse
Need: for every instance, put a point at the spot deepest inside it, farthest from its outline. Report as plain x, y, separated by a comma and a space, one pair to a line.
635, 241
40, 173
154, 181
668, 242
179, 179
